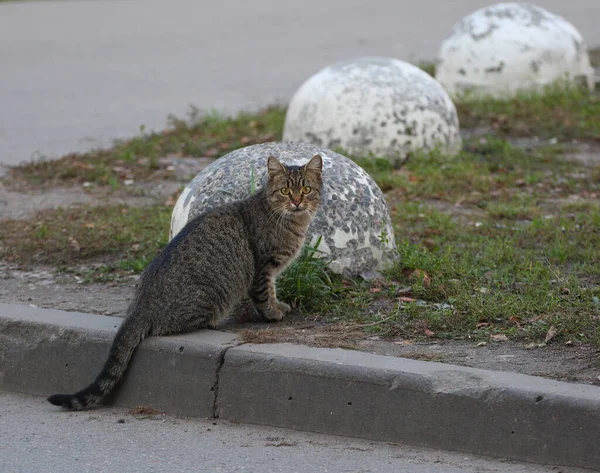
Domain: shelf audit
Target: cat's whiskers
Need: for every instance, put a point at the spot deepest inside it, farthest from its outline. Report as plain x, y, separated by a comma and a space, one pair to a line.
279, 215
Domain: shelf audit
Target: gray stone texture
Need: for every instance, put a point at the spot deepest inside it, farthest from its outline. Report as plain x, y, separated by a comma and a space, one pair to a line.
353, 220
414, 402
374, 106
48, 351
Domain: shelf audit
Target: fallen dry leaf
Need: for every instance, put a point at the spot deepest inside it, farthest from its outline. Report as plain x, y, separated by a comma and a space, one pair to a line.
406, 299
81, 165
533, 345
429, 333
428, 243
404, 290
347, 283
499, 337
74, 244
417, 275
481, 344
482, 325
551, 334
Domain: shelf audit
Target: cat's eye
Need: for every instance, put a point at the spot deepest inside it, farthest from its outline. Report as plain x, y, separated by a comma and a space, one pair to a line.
285, 190
306, 190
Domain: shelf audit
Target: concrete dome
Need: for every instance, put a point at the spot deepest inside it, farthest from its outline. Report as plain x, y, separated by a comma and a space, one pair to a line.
373, 105
506, 47
353, 219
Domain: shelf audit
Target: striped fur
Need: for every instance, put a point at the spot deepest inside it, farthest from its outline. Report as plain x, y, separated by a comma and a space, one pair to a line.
217, 260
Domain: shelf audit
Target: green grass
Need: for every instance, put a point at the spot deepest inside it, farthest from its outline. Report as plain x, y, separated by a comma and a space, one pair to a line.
517, 278
307, 284
124, 239
490, 173
556, 112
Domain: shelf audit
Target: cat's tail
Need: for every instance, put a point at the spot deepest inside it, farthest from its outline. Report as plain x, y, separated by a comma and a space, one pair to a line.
129, 336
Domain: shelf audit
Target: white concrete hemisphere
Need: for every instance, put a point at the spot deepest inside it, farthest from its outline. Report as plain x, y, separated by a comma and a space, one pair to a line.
507, 47
353, 221
374, 106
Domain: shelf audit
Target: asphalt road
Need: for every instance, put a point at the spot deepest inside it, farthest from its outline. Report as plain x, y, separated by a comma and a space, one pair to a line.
37, 438
77, 74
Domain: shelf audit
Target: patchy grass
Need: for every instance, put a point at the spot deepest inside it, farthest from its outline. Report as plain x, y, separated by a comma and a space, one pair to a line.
143, 157
124, 239
556, 112
490, 173
518, 277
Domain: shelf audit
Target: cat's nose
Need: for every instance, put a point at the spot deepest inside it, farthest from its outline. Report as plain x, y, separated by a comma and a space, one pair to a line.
296, 203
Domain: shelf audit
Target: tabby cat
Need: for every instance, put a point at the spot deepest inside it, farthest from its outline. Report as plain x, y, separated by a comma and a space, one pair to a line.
217, 260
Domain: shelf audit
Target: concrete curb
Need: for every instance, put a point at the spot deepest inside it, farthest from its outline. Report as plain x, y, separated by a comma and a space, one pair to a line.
49, 351
330, 391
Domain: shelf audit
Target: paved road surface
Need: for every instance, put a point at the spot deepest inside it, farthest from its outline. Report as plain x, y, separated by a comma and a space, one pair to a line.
37, 438
75, 75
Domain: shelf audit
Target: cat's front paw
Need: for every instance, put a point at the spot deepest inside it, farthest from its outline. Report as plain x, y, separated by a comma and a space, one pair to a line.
272, 315
283, 307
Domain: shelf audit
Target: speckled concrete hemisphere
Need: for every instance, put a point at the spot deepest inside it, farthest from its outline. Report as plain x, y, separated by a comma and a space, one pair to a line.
353, 220
507, 47
374, 105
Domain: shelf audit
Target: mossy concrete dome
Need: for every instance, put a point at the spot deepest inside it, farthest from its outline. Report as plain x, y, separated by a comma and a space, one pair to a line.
353, 221
374, 106
503, 48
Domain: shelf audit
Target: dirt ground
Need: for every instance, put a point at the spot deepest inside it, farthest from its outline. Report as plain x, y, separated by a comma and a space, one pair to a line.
43, 287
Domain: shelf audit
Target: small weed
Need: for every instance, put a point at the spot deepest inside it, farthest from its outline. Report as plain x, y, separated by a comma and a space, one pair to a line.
428, 67
595, 57
307, 282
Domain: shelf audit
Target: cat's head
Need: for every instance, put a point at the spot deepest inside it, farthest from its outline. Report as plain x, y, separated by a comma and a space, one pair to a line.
295, 188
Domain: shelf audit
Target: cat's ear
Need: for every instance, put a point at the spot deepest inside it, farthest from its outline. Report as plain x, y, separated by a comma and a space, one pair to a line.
274, 166
315, 164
